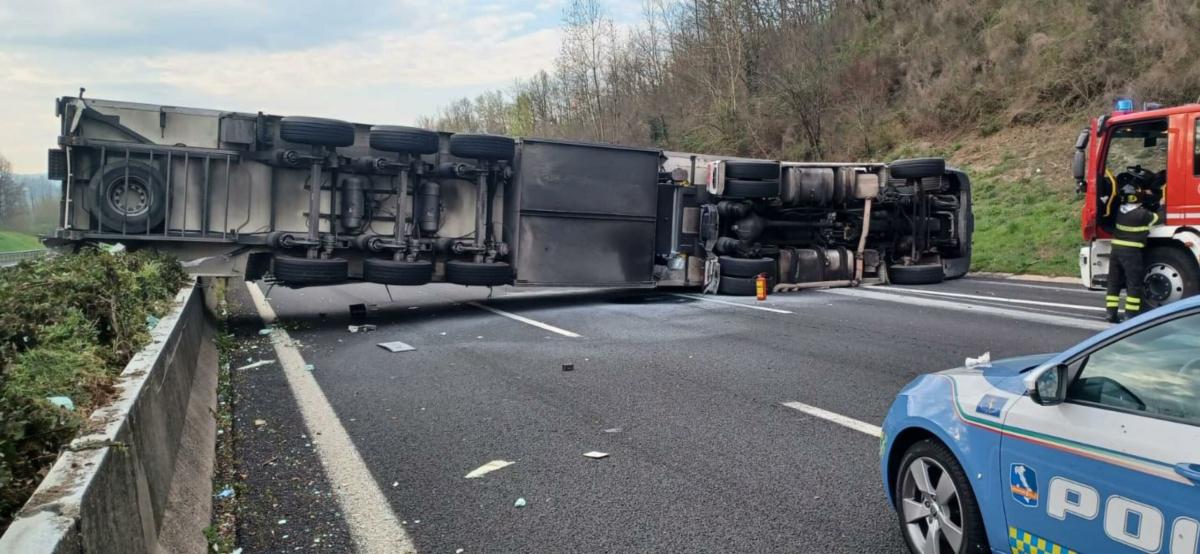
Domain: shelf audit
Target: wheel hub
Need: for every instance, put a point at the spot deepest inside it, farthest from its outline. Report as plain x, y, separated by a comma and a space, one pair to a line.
129, 198
1163, 283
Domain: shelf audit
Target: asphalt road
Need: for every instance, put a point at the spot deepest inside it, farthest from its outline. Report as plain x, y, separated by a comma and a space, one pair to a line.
684, 394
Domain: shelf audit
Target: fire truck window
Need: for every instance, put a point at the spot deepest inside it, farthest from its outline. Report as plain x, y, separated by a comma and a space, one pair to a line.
1143, 144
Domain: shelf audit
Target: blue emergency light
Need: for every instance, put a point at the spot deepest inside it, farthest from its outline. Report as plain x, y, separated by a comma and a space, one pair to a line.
1124, 105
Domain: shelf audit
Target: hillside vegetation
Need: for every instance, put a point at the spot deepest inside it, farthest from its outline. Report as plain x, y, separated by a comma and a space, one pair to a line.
997, 86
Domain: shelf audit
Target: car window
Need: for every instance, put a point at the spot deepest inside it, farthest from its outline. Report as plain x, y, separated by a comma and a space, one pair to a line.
1156, 371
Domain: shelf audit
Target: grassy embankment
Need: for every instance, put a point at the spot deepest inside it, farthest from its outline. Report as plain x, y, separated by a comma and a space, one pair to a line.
12, 241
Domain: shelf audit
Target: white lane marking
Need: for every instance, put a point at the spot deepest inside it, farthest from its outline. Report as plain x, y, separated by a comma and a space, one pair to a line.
728, 303
526, 320
860, 426
373, 526
1048, 319
1000, 299
1076, 290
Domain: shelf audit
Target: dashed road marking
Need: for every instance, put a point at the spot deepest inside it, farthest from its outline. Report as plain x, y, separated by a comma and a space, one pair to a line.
526, 320
1062, 321
1000, 299
373, 525
848, 422
728, 303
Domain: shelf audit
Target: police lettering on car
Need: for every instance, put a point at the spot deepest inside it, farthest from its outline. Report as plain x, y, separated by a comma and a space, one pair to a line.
1094, 449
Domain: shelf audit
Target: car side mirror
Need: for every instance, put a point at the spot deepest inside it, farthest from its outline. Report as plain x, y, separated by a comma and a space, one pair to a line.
1050, 388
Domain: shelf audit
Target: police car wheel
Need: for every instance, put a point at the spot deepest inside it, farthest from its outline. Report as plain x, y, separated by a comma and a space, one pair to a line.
937, 508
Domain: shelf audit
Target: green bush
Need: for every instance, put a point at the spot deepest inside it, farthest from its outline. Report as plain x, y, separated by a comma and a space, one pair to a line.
68, 325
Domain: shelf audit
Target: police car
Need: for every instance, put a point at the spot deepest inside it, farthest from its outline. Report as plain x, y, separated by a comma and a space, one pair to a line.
1093, 450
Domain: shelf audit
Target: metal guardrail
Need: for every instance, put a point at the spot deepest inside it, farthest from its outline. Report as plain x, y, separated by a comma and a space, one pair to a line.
12, 258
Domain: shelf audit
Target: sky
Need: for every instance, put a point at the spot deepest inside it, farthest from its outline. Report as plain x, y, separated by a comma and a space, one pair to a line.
380, 61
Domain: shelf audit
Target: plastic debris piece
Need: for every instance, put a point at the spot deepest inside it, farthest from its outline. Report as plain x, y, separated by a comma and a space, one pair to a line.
266, 331
260, 422
395, 484
151, 322
226, 492
396, 346
520, 503
361, 328
443, 333
308, 367
459, 551
238, 550
259, 363
613, 430
282, 521
568, 367
488, 468
596, 455
62, 402
479, 337
984, 360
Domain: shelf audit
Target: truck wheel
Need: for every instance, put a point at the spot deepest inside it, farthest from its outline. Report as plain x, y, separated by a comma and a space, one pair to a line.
1171, 274
935, 503
478, 274
483, 147
745, 188
743, 267
392, 272
927, 274
407, 140
741, 286
752, 170
316, 131
292, 270
130, 197
917, 168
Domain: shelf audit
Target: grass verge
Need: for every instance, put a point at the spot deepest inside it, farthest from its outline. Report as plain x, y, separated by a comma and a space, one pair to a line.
68, 325
12, 241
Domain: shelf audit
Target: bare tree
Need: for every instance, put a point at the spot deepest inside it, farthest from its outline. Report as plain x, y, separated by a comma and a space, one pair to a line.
13, 201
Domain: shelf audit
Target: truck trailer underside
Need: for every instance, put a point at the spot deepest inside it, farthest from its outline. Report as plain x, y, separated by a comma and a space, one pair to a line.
309, 201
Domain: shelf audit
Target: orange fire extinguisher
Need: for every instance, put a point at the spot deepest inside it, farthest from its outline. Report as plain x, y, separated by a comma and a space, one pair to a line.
760, 286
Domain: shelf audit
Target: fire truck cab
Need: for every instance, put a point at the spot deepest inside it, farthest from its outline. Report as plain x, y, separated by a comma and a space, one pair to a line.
1158, 151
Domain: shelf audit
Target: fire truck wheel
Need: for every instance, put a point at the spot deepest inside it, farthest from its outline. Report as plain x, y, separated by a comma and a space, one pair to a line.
482, 147
291, 270
1171, 274
407, 140
316, 131
478, 274
392, 272
129, 197
927, 274
743, 267
917, 168
745, 188
752, 170
741, 286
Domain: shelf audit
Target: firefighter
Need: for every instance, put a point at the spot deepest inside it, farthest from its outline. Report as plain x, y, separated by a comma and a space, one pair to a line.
1125, 264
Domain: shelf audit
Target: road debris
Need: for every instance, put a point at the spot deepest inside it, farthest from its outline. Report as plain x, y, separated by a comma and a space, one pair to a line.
984, 360
520, 503
265, 331
309, 367
488, 468
358, 312
260, 422
396, 346
568, 367
596, 455
62, 402
361, 328
151, 322
259, 363
226, 492
613, 430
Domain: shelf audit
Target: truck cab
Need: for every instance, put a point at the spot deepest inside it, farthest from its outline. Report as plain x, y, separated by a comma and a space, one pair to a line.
1158, 151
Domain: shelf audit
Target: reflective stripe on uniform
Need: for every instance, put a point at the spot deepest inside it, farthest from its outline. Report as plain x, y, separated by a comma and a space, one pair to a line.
1129, 229
1126, 243
1153, 220
1112, 301
1133, 300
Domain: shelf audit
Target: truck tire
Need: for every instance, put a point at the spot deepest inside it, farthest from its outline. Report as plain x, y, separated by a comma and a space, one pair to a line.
316, 131
392, 272
752, 170
483, 147
130, 207
917, 168
293, 270
478, 274
927, 274
745, 188
741, 286
1171, 274
406, 140
744, 267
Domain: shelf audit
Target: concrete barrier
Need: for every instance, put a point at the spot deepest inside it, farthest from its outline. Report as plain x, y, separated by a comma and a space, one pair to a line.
111, 490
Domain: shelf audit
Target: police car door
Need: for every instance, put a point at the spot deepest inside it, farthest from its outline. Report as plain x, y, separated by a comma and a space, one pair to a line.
1115, 467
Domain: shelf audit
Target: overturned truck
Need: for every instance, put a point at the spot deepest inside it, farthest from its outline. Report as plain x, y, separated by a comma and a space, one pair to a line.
306, 201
